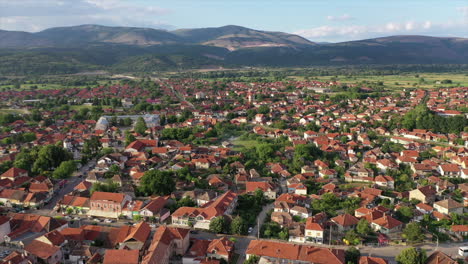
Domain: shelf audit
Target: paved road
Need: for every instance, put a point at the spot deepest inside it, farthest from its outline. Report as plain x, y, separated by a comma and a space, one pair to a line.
69, 186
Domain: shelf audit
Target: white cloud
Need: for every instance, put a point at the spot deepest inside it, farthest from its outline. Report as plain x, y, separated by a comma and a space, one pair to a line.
33, 15
344, 17
355, 32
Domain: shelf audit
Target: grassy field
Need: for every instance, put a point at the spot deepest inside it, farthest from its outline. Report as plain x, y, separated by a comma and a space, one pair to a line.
14, 111
240, 144
422, 80
46, 86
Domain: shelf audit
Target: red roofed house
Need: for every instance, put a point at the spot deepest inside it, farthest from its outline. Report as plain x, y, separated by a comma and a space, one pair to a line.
121, 256
372, 260
166, 242
387, 224
424, 194
201, 217
314, 231
106, 204
294, 253
14, 173
221, 248
449, 170
43, 252
345, 222
268, 190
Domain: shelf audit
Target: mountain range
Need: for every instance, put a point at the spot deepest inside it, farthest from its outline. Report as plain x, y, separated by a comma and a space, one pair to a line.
124, 49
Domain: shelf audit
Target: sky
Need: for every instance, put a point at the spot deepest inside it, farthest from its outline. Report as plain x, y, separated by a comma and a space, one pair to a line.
316, 20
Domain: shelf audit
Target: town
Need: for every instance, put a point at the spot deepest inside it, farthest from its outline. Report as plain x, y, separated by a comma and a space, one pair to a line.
207, 171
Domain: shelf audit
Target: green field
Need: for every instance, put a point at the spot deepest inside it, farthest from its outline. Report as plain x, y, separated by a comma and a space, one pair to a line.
46, 86
240, 144
418, 80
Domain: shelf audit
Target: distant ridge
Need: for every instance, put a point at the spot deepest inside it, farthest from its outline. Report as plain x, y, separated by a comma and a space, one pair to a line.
128, 49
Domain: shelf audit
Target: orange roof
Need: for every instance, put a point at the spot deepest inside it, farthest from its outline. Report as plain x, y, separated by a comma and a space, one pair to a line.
41, 250
295, 252
13, 172
108, 196
372, 260
459, 228
253, 186
345, 220
387, 222
121, 256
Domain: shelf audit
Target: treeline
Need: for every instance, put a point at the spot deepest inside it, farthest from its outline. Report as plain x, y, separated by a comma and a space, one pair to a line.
422, 118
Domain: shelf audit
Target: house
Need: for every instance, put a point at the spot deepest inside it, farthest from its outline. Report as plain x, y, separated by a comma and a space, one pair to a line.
314, 232
14, 173
44, 252
268, 190
439, 257
284, 219
106, 204
345, 222
385, 181
449, 170
459, 229
273, 252
297, 188
221, 248
424, 208
424, 194
387, 224
201, 217
121, 256
166, 242
155, 209
372, 260
448, 206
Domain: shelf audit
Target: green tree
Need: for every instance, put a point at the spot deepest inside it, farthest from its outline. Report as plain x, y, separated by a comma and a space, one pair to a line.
238, 226
363, 227
352, 237
411, 256
252, 260
140, 126
157, 182
218, 225
404, 214
129, 138
64, 170
92, 146
413, 232
352, 255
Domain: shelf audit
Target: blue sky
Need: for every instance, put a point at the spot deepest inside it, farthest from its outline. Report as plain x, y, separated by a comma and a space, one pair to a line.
317, 20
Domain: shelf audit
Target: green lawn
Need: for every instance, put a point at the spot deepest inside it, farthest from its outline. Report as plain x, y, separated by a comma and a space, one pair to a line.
240, 144
402, 80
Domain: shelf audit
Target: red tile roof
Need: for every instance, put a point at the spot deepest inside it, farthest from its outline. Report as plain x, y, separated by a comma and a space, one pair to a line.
121, 256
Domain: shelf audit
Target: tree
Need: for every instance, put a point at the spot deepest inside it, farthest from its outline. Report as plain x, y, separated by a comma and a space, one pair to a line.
92, 146
404, 214
129, 138
411, 256
352, 237
413, 232
352, 255
218, 225
49, 157
157, 182
363, 227
252, 260
140, 126
64, 170
238, 226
